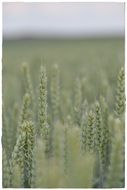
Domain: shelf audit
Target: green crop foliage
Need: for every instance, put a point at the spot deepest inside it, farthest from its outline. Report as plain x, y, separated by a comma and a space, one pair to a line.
59, 129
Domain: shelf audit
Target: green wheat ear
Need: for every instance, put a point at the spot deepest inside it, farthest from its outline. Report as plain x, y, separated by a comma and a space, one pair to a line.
120, 94
105, 115
99, 142
28, 127
44, 128
27, 81
42, 101
90, 128
17, 155
98, 126
55, 92
25, 111
23, 153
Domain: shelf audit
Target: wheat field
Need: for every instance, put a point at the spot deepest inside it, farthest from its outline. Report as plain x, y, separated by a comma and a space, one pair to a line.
63, 113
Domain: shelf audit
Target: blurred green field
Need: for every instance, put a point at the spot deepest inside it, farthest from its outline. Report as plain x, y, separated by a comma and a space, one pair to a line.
96, 63
94, 60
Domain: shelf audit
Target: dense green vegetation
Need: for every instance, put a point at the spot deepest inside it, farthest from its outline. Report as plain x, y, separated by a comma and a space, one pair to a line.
63, 113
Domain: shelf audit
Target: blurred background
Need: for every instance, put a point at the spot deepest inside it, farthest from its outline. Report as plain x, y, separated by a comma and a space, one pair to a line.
86, 40
63, 19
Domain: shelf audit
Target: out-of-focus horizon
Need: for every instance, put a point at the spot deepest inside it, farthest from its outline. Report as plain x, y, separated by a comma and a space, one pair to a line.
63, 19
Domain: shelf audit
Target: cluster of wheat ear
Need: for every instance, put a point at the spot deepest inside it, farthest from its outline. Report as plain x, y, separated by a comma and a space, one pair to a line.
84, 147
